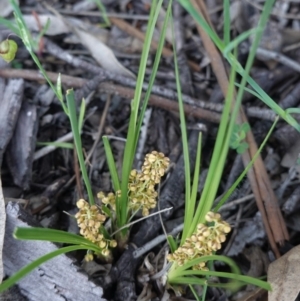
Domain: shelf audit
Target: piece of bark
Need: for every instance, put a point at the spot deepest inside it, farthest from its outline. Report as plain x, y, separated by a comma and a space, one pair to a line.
21, 148
10, 103
56, 280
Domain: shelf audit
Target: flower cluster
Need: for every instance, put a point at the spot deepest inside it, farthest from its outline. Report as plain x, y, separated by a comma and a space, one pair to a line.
89, 219
109, 199
141, 186
205, 241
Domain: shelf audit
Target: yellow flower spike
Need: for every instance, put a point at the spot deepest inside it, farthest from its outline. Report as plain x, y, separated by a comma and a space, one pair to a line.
205, 241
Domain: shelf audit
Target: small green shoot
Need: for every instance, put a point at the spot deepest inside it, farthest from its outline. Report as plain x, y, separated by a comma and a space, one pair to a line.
102, 9
237, 140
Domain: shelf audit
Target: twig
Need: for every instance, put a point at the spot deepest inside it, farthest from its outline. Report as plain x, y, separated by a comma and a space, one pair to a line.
154, 242
237, 202
125, 92
50, 148
267, 54
125, 26
99, 133
193, 107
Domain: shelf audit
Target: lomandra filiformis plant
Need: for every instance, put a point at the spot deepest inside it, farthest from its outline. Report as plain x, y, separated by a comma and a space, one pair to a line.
141, 194
206, 240
141, 186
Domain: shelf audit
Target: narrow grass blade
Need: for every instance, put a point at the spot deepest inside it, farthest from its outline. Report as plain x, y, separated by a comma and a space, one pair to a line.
195, 293
191, 203
250, 164
52, 235
231, 286
188, 214
81, 115
57, 144
10, 25
172, 243
226, 27
102, 9
77, 139
246, 279
111, 164
154, 68
232, 59
131, 141
218, 159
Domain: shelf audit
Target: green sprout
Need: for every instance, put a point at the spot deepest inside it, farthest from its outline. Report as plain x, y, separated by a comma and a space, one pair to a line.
237, 140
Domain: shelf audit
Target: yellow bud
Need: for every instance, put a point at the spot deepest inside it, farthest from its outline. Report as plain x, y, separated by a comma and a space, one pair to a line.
210, 216
217, 216
226, 228
102, 244
88, 257
100, 195
81, 203
105, 252
152, 157
133, 173
91, 223
112, 243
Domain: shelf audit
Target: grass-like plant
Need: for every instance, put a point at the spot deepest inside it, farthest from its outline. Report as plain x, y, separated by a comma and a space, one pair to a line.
90, 217
204, 231
200, 222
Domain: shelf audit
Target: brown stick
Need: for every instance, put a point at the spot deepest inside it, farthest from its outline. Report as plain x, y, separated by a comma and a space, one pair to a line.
108, 87
125, 26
